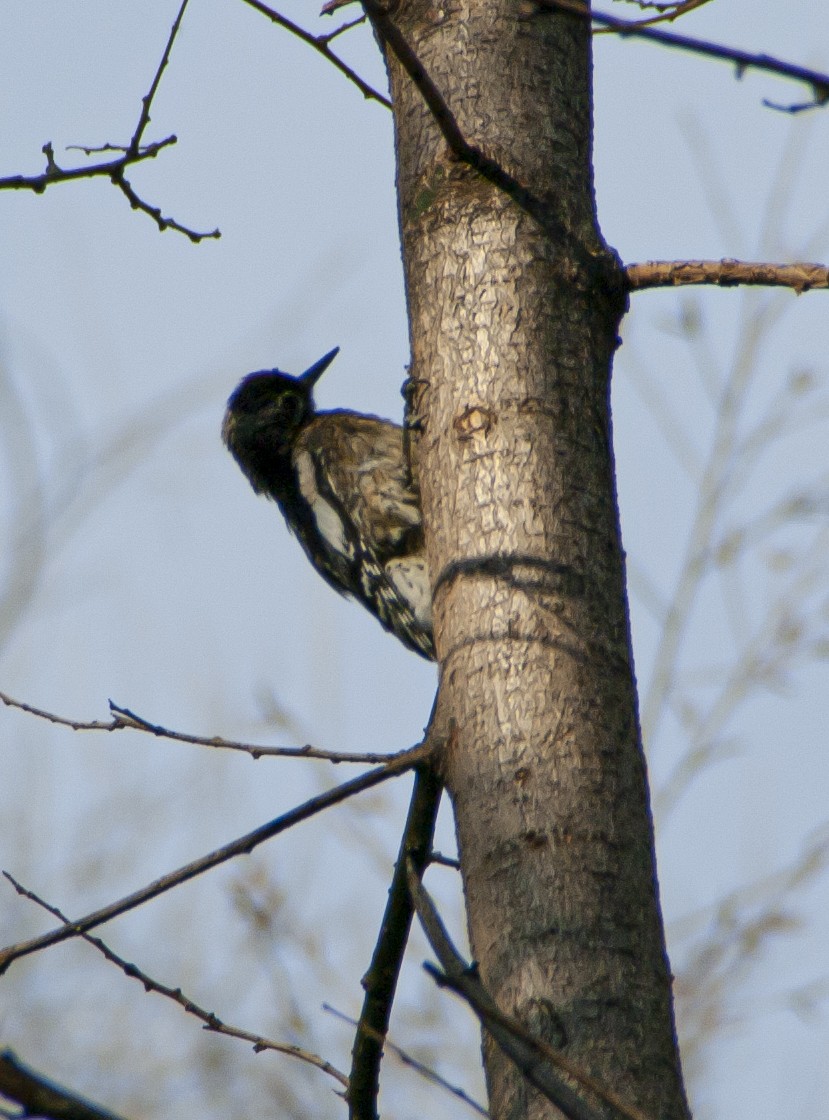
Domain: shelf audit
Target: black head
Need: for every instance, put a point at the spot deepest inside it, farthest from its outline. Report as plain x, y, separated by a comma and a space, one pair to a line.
264, 413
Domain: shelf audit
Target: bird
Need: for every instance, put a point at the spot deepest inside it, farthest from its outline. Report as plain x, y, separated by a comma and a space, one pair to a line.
344, 485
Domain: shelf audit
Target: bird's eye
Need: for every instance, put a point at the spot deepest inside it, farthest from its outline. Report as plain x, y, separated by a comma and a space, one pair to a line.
291, 408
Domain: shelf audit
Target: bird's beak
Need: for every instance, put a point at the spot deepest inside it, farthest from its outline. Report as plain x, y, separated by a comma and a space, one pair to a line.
312, 375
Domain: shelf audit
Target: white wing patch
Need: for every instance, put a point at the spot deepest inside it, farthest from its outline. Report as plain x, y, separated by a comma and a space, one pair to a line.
410, 577
328, 520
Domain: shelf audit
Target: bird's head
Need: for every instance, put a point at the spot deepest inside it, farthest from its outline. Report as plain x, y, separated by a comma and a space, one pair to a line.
266, 410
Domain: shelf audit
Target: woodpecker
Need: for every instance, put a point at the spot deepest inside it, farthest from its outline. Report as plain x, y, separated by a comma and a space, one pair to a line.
343, 484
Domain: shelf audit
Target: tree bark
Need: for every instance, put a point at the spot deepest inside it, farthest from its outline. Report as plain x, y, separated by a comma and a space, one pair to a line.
514, 309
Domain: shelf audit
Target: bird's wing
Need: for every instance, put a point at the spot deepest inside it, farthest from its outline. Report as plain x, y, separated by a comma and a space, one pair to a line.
361, 476
353, 474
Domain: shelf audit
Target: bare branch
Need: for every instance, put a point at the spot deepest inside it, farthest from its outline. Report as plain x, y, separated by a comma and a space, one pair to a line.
541, 1064
154, 212
652, 5
742, 60
801, 276
40, 1097
147, 100
56, 174
211, 1021
321, 43
409, 1060
96, 149
125, 720
241, 846
115, 169
380, 981
798, 106
444, 861
331, 35
667, 13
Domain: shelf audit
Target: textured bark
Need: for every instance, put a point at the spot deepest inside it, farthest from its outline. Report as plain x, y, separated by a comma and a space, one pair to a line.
513, 326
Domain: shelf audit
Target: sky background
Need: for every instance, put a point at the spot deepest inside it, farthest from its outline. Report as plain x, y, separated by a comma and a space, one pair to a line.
139, 566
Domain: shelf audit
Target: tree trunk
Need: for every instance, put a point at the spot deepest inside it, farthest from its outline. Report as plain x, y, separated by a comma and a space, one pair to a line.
514, 311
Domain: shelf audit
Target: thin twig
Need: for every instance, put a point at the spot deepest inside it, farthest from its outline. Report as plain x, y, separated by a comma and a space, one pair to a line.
97, 149
667, 13
409, 1060
541, 1064
445, 861
56, 174
380, 981
38, 1096
241, 846
210, 1020
115, 169
118, 177
331, 35
801, 276
125, 720
147, 99
154, 212
743, 60
320, 43
798, 106
653, 5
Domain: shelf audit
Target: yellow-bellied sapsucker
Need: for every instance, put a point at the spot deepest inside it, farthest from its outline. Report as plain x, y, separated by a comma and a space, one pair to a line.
343, 483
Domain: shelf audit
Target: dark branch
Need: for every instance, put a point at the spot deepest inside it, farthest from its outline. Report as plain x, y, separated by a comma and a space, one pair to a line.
147, 99
331, 35
445, 861
797, 106
667, 13
801, 276
210, 1020
56, 174
743, 60
125, 720
380, 981
546, 1068
115, 169
321, 43
241, 846
155, 212
40, 1097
